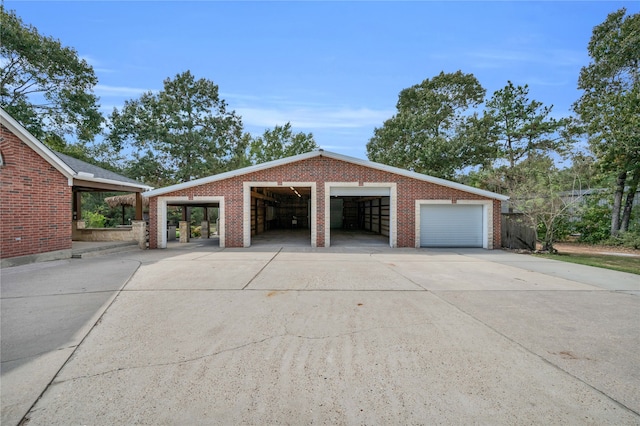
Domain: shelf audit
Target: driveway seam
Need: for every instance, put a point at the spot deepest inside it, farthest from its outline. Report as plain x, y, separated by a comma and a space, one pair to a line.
262, 269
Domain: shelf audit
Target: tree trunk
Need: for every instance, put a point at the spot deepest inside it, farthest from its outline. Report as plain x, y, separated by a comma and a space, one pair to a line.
547, 244
628, 205
617, 203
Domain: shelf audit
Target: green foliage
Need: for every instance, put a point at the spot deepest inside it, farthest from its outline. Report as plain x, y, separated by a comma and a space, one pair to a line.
630, 239
93, 203
44, 85
182, 133
594, 223
522, 128
94, 219
434, 130
539, 193
609, 106
279, 143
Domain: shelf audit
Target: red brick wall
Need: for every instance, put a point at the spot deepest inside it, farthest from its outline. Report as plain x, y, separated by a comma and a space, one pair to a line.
35, 201
321, 170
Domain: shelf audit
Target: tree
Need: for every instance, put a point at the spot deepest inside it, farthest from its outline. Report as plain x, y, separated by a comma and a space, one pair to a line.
523, 129
279, 143
542, 196
610, 106
184, 132
44, 85
433, 131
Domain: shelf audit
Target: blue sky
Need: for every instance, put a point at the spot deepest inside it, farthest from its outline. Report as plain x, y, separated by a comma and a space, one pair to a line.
331, 68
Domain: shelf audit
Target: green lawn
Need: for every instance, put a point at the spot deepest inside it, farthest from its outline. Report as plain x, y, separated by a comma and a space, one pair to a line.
617, 263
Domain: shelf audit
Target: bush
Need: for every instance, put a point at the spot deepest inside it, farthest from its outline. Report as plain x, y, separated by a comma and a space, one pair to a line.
196, 232
629, 239
595, 224
94, 220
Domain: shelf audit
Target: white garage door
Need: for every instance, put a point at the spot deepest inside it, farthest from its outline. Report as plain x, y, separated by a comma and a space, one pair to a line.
451, 225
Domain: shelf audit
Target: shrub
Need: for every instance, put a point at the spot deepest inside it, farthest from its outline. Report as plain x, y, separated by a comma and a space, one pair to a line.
629, 239
94, 220
595, 224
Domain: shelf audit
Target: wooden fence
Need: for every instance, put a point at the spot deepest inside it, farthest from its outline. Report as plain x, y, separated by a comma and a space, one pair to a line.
516, 233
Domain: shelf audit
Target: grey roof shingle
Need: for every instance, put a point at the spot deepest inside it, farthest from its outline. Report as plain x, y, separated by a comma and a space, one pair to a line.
98, 172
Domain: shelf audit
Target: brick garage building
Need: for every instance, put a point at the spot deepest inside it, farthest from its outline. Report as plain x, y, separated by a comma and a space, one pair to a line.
322, 192
38, 193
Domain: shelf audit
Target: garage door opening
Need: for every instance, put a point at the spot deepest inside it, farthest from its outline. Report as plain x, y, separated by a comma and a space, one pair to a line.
203, 223
281, 215
360, 219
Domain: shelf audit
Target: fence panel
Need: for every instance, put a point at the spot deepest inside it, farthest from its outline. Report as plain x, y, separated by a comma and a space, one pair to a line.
516, 234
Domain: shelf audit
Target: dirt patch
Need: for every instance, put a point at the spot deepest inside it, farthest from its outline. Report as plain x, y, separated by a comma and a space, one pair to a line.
595, 249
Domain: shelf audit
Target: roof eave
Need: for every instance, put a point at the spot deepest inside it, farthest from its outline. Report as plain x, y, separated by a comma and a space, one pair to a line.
415, 175
328, 154
233, 173
16, 128
141, 187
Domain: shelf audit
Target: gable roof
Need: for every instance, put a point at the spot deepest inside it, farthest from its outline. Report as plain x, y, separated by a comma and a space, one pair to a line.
70, 167
335, 156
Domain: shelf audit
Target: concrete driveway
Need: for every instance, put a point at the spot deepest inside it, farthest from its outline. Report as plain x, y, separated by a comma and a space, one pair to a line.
275, 335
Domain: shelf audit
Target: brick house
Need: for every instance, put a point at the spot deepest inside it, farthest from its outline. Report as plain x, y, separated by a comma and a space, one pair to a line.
322, 192
39, 195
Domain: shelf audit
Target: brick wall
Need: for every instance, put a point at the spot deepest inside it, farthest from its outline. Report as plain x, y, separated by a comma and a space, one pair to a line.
35, 202
321, 170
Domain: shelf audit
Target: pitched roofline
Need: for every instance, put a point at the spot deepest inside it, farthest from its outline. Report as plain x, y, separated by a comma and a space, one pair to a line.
50, 157
17, 129
333, 155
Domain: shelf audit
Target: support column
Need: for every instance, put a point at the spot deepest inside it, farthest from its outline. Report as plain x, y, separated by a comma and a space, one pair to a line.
204, 226
139, 228
138, 206
76, 215
184, 231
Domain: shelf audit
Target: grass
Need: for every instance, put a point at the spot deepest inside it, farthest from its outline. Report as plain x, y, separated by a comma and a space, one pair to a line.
617, 263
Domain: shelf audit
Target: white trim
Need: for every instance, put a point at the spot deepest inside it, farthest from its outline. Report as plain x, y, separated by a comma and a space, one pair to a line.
340, 157
246, 207
487, 219
82, 176
393, 207
161, 214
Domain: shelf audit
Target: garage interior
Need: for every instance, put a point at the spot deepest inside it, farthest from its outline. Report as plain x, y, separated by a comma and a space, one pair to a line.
281, 214
360, 220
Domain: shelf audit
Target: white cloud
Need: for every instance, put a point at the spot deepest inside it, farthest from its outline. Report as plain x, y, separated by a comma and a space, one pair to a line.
120, 91
555, 57
314, 118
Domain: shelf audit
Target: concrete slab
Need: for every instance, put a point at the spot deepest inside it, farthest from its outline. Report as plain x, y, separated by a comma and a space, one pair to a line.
47, 309
603, 278
293, 357
336, 335
315, 274
25, 379
594, 336
481, 276
201, 273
